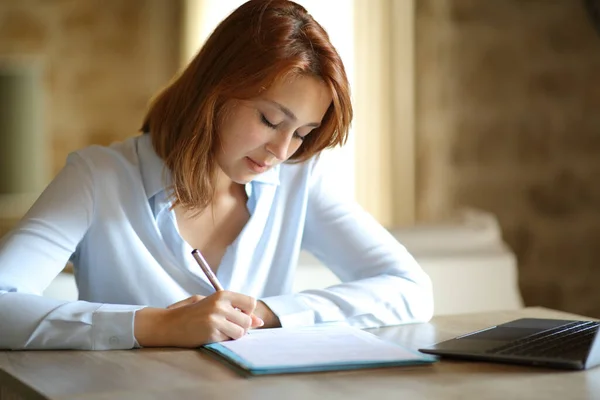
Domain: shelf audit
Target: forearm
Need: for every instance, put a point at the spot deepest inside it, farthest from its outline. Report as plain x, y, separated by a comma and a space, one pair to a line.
31, 322
376, 301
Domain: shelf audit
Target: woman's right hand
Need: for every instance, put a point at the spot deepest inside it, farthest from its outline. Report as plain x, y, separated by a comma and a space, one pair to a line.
196, 321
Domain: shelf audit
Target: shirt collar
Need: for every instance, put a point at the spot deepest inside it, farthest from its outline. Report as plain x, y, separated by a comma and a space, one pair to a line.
156, 177
270, 177
154, 174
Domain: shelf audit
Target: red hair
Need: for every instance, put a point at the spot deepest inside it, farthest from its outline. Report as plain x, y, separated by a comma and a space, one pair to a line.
260, 43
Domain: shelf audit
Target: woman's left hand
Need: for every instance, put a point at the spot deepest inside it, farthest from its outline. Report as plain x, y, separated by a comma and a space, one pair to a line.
264, 312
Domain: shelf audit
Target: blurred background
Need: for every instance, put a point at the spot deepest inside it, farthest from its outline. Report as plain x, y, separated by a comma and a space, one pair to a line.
487, 106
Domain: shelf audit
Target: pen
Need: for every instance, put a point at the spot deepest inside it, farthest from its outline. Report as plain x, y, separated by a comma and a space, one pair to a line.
207, 270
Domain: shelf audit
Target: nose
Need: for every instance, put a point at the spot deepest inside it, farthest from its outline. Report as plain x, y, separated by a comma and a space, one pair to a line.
279, 146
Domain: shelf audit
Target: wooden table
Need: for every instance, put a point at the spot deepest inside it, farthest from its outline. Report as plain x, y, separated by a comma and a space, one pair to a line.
182, 374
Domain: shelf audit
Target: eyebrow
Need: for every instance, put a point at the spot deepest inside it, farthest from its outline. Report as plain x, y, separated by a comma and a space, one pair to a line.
290, 114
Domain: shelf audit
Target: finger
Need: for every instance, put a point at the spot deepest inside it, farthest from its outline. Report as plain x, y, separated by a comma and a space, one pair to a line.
232, 330
239, 318
246, 304
185, 302
256, 321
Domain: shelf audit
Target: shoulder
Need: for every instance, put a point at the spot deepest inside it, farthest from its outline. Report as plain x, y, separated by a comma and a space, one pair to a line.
117, 156
316, 174
305, 171
109, 167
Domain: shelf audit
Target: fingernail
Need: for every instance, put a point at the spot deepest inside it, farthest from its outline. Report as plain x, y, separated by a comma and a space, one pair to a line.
260, 322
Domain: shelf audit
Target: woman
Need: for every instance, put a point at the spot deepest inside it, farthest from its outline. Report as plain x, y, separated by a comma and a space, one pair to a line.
227, 164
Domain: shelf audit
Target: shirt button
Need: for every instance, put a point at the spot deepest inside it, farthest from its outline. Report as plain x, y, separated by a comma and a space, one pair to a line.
113, 340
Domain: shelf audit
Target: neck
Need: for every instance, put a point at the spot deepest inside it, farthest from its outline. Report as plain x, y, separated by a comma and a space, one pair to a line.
225, 187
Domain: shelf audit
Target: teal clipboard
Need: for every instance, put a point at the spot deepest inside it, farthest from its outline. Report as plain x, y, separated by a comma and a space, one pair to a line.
246, 366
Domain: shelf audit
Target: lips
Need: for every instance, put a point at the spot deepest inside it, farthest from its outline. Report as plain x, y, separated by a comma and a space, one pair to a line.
262, 164
257, 166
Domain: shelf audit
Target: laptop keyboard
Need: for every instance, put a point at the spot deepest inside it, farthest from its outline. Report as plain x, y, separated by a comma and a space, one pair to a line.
570, 341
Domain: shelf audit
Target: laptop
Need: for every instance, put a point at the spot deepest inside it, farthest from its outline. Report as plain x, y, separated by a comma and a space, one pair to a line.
531, 341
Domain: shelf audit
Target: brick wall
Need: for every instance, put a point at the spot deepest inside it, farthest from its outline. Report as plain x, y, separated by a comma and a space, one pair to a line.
102, 60
508, 104
508, 112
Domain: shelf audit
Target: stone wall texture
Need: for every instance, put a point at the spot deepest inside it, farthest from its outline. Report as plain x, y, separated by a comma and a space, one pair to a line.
102, 62
508, 116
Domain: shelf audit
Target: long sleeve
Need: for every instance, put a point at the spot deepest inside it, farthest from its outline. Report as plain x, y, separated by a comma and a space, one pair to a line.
382, 284
34, 253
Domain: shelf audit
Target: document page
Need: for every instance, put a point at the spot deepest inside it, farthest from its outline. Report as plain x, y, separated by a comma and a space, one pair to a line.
311, 346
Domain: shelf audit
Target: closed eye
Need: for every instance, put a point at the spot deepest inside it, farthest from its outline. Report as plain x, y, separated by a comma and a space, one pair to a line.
297, 136
268, 123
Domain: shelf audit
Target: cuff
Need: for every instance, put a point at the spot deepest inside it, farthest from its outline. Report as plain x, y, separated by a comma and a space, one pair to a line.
136, 344
112, 327
291, 310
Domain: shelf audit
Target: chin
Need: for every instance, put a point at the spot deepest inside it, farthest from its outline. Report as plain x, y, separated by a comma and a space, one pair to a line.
242, 175
242, 179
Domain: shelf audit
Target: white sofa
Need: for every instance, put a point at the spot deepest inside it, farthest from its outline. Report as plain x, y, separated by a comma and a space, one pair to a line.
471, 269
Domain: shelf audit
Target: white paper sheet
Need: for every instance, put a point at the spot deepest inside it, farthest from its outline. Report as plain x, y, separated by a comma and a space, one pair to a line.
293, 347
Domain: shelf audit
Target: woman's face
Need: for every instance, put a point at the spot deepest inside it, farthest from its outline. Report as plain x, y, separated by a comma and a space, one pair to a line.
262, 132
